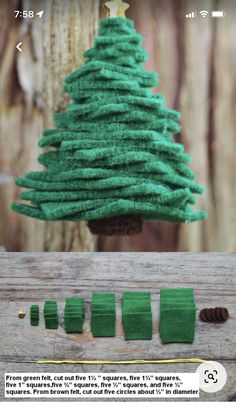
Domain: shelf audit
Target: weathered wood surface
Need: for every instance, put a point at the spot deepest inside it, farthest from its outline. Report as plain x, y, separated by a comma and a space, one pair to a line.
31, 87
26, 278
195, 59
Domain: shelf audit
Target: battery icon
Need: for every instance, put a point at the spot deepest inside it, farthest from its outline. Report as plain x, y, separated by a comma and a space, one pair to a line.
218, 13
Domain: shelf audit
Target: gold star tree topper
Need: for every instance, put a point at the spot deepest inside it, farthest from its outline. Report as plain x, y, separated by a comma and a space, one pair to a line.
116, 8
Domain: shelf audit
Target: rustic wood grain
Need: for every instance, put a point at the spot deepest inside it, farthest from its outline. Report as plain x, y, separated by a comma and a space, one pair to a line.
195, 59
26, 278
31, 85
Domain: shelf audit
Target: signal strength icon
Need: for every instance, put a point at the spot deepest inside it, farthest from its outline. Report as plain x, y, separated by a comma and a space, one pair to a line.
191, 15
203, 13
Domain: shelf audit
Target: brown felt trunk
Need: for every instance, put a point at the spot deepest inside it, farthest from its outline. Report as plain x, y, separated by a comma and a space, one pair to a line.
123, 225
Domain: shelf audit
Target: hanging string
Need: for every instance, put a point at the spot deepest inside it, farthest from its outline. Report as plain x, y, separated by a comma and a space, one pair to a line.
124, 362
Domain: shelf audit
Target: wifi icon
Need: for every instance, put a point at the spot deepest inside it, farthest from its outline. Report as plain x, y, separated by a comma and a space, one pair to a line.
203, 13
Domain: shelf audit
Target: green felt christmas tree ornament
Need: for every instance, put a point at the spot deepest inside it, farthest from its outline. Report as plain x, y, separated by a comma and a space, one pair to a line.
112, 158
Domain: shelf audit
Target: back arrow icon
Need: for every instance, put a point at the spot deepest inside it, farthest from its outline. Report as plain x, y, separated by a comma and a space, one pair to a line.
18, 46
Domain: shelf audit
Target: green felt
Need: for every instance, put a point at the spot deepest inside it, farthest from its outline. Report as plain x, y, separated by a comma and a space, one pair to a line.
34, 315
105, 307
136, 315
137, 326
177, 292
51, 323
177, 315
113, 150
73, 322
74, 315
135, 295
177, 302
34, 307
103, 314
178, 325
103, 295
34, 322
74, 308
50, 314
103, 325
137, 308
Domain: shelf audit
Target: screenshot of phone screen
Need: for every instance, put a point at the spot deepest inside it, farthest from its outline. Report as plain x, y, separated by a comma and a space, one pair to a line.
190, 44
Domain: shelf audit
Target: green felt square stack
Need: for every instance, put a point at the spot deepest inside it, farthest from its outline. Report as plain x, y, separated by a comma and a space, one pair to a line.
74, 315
34, 315
113, 160
177, 315
137, 315
50, 314
103, 315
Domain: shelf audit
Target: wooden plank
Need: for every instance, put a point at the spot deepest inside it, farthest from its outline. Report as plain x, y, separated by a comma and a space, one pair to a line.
156, 21
27, 278
31, 85
223, 140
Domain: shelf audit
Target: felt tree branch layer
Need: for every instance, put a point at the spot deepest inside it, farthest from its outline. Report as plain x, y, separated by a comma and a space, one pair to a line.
113, 152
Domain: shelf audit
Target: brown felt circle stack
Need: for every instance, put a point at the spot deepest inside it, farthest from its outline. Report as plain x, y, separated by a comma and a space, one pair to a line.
216, 315
120, 225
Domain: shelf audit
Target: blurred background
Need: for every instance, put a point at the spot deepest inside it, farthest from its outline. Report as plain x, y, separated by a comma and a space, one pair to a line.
196, 61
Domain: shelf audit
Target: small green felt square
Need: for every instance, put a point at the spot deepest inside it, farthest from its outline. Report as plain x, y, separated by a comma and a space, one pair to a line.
103, 325
51, 323
73, 324
137, 326
34, 321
